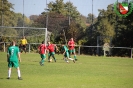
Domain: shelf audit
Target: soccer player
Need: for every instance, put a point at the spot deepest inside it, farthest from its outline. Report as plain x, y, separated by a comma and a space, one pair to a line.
51, 49
42, 51
71, 45
13, 59
23, 44
66, 54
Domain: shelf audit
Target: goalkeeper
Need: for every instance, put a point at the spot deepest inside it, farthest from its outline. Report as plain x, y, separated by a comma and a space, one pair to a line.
23, 44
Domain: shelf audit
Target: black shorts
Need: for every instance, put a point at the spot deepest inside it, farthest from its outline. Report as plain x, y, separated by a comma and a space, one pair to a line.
22, 46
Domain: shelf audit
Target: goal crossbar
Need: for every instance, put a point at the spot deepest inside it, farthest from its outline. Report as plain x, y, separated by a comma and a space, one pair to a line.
22, 27
28, 28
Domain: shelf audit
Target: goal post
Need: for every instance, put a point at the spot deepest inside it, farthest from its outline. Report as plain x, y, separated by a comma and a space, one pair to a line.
33, 34
46, 34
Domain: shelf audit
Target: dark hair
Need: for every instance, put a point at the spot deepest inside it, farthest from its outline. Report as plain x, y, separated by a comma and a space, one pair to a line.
13, 42
42, 42
63, 43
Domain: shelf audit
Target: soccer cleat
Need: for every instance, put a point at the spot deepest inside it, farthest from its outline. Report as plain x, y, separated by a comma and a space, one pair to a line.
73, 61
40, 63
67, 61
76, 59
8, 77
19, 78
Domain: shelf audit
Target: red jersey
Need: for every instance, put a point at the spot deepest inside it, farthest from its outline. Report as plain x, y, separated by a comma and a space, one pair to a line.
71, 45
42, 49
51, 47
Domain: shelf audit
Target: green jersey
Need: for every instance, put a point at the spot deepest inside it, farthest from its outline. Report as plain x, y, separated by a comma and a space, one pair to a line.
13, 53
65, 48
66, 51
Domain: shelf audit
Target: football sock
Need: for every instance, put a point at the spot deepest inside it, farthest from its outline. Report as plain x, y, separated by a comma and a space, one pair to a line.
42, 61
19, 75
49, 57
9, 73
70, 58
75, 57
65, 59
53, 57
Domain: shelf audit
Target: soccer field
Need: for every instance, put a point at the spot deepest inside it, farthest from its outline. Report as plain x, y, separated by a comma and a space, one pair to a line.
87, 72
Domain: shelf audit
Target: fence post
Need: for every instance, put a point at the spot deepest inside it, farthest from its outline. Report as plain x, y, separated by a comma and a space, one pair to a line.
4, 47
104, 52
79, 50
131, 52
98, 38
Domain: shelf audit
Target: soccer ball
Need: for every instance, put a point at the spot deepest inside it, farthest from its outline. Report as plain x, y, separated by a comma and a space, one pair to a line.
50, 60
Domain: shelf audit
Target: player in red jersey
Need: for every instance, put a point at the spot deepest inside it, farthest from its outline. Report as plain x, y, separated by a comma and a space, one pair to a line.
71, 45
51, 48
42, 51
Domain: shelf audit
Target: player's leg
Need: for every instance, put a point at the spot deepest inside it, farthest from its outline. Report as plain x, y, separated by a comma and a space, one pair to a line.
22, 48
19, 74
53, 53
43, 56
25, 48
66, 58
49, 55
69, 57
70, 53
16, 65
9, 73
9, 69
74, 54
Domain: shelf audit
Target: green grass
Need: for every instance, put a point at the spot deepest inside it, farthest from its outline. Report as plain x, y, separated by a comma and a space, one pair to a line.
87, 72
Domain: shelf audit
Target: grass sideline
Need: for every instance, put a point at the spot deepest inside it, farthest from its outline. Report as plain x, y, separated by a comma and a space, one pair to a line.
87, 72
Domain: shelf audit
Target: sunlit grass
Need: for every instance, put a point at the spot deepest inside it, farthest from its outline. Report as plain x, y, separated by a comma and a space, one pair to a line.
87, 72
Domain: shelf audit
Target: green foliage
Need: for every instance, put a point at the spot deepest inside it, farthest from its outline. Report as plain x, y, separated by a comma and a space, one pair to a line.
110, 25
91, 18
6, 14
58, 19
65, 16
57, 6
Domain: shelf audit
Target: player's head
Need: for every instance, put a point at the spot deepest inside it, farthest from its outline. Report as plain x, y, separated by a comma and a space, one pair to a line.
63, 44
13, 43
71, 39
49, 42
42, 42
23, 37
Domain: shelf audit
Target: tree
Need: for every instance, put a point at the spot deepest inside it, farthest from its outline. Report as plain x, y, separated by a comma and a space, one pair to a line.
58, 14
7, 15
33, 17
91, 18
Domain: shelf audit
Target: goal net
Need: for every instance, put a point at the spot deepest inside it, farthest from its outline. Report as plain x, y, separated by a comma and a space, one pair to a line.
33, 35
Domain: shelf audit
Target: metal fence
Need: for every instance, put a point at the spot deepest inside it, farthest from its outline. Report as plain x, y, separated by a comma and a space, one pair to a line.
95, 49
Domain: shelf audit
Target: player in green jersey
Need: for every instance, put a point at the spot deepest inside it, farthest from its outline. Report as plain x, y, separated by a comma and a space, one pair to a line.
13, 59
66, 54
